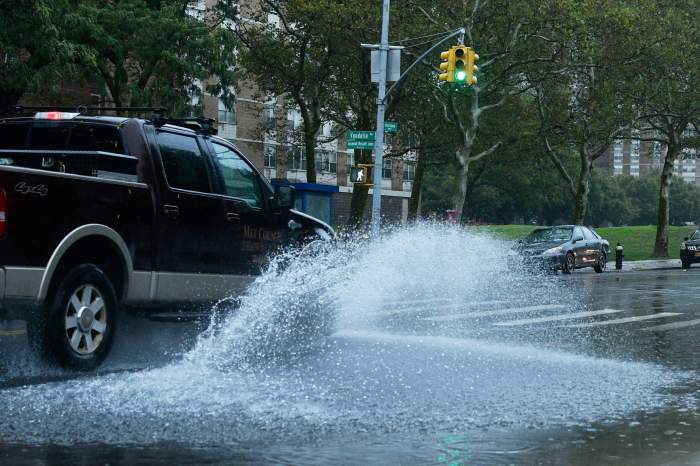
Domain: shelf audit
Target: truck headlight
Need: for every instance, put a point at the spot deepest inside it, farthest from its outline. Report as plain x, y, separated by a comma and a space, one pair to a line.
553, 251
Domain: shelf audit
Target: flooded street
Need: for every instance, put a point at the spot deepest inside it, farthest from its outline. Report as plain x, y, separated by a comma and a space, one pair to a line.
423, 348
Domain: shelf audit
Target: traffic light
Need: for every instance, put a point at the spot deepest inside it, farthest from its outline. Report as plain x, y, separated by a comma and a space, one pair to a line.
447, 67
460, 69
361, 174
472, 58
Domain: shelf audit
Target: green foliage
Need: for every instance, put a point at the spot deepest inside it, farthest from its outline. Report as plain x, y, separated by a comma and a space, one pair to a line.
34, 48
146, 52
155, 53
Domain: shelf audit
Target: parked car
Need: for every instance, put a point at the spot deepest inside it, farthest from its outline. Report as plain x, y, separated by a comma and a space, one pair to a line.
565, 247
690, 250
100, 214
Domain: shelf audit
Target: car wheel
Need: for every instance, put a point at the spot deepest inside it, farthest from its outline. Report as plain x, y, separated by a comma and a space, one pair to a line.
81, 319
569, 263
602, 263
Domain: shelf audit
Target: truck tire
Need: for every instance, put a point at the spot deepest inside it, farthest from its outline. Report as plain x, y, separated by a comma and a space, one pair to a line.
81, 319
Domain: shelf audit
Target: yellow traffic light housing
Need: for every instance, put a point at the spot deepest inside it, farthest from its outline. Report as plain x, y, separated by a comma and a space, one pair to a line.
361, 174
460, 72
447, 66
472, 58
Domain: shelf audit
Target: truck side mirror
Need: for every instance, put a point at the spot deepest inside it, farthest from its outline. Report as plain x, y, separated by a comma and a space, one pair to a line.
685, 239
284, 197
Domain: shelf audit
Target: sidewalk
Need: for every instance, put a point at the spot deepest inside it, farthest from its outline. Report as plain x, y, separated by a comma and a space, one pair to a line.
647, 265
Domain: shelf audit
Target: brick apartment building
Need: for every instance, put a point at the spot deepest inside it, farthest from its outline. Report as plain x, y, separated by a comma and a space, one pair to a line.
632, 157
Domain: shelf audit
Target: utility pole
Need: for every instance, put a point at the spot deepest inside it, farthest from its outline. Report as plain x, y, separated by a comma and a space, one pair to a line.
379, 135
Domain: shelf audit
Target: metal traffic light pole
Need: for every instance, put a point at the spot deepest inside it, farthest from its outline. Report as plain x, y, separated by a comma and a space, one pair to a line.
381, 104
379, 134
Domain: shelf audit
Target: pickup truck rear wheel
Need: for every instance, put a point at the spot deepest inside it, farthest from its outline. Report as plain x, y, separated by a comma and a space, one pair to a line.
82, 318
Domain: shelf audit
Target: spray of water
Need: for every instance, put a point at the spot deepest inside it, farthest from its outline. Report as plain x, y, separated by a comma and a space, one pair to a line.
352, 337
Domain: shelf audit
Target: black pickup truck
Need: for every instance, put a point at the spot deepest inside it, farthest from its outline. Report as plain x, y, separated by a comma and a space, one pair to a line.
100, 213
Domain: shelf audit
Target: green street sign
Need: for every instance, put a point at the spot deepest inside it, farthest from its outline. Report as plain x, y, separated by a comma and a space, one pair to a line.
355, 144
361, 135
391, 127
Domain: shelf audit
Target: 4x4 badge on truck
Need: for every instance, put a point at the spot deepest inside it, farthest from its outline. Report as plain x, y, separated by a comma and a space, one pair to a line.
24, 188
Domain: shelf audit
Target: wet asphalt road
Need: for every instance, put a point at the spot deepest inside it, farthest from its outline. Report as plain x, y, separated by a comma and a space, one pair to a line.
637, 317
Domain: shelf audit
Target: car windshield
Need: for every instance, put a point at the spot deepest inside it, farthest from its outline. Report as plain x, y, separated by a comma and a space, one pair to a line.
549, 234
696, 235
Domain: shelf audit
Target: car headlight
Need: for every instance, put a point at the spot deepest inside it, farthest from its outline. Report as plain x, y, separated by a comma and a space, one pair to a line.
553, 251
682, 246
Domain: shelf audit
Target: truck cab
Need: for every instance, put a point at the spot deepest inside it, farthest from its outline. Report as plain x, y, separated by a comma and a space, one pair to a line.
102, 214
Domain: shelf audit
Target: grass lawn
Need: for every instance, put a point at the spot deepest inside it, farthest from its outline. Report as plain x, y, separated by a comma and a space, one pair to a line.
637, 241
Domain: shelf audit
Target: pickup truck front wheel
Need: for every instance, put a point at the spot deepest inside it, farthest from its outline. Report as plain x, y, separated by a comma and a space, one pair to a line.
81, 318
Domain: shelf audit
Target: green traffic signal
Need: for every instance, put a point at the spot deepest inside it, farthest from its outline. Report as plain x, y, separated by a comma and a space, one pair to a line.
461, 75
460, 65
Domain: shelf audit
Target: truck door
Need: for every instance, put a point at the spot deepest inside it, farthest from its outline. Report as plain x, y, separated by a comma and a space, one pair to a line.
189, 214
251, 233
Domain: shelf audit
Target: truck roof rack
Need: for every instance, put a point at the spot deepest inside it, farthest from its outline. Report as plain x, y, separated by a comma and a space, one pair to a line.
199, 124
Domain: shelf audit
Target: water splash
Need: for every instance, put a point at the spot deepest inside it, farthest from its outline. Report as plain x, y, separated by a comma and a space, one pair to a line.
338, 338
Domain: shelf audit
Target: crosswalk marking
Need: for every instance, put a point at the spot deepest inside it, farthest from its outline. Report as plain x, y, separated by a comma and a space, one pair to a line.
572, 315
414, 301
399, 310
673, 325
626, 320
497, 312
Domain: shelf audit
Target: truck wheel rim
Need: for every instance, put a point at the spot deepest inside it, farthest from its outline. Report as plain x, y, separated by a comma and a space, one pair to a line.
86, 319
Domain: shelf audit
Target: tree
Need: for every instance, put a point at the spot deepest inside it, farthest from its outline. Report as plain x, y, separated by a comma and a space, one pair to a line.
293, 58
34, 49
498, 31
582, 98
668, 80
157, 53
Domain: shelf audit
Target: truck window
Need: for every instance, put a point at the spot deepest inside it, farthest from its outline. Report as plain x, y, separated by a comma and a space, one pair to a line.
48, 137
13, 135
95, 138
185, 167
240, 180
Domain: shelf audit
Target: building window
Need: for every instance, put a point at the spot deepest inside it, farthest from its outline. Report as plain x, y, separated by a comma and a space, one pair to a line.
386, 168
617, 158
226, 116
409, 171
269, 117
270, 155
326, 161
296, 158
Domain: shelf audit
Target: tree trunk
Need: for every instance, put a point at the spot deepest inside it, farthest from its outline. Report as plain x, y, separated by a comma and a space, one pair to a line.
359, 193
661, 243
464, 191
582, 190
310, 149
414, 202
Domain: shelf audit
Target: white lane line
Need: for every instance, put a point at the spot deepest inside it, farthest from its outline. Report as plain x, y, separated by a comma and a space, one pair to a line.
625, 320
571, 315
414, 301
497, 312
674, 325
12, 333
424, 307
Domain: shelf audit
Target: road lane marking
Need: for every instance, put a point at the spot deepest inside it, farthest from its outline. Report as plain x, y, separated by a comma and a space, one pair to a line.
673, 325
497, 312
399, 310
414, 301
572, 315
626, 320
12, 333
